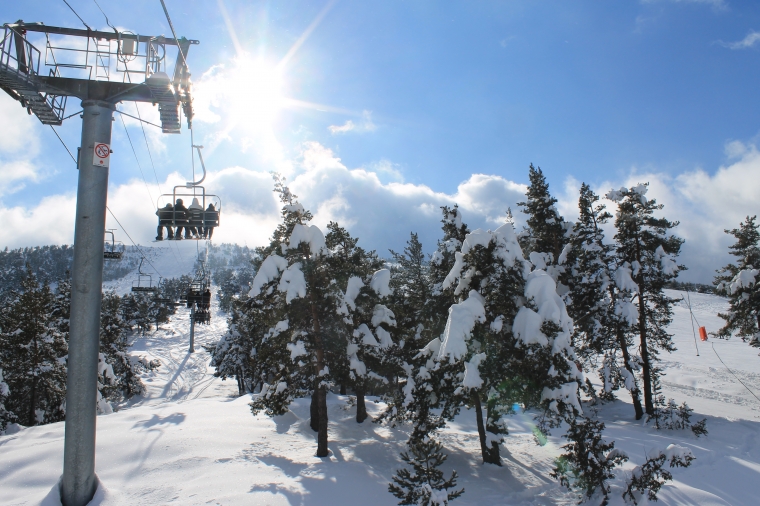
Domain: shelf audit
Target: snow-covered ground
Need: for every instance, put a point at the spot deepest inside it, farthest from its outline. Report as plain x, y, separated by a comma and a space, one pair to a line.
191, 440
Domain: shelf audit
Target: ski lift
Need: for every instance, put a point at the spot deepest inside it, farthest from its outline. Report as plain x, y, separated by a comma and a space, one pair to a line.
203, 217
113, 250
202, 316
141, 285
158, 299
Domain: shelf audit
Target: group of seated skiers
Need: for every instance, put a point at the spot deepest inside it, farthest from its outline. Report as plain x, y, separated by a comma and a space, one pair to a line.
202, 301
197, 223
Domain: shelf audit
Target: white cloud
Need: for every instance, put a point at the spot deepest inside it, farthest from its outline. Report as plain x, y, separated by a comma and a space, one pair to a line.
704, 204
749, 41
365, 125
18, 134
382, 211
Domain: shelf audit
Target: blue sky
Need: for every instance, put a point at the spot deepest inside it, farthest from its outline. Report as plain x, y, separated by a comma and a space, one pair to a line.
378, 112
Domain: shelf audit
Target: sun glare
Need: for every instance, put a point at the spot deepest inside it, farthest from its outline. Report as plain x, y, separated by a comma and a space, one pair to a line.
256, 89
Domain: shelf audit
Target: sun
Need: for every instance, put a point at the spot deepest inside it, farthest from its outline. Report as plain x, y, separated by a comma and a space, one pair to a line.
254, 92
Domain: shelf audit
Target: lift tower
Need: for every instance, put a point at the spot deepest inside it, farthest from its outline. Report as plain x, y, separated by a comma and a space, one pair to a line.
98, 68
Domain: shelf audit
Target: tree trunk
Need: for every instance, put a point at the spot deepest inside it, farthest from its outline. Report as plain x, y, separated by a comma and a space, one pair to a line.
31, 417
626, 359
342, 388
490, 455
647, 367
322, 450
361, 407
314, 411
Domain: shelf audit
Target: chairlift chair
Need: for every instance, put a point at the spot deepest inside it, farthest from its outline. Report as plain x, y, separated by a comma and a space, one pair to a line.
200, 219
141, 285
113, 249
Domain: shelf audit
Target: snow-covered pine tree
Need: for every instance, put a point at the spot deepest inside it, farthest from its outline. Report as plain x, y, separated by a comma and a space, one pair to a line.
119, 372
508, 342
590, 460
411, 289
420, 297
599, 300
424, 484
232, 355
741, 283
370, 352
299, 271
6, 416
545, 236
644, 246
651, 476
32, 354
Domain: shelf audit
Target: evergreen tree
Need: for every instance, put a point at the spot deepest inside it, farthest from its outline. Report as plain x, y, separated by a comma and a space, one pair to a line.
119, 372
6, 416
424, 484
741, 283
32, 354
600, 291
423, 303
507, 343
545, 238
308, 298
590, 460
644, 246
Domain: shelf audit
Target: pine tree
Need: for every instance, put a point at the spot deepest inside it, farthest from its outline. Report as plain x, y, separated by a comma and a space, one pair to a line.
741, 283
357, 270
6, 416
599, 297
308, 298
119, 372
644, 246
424, 485
32, 354
545, 239
503, 345
590, 460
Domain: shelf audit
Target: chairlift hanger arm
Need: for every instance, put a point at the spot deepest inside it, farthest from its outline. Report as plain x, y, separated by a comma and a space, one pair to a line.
196, 183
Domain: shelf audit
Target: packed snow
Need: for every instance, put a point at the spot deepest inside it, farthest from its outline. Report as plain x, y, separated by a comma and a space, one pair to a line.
191, 440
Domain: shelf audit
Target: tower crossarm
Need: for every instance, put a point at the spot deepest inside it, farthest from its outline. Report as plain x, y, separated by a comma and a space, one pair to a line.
42, 84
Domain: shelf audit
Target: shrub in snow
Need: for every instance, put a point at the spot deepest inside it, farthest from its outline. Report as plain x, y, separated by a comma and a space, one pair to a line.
651, 476
740, 282
669, 415
589, 461
644, 246
424, 483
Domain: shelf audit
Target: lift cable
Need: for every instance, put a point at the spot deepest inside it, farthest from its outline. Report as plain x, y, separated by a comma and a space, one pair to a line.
138, 119
77, 15
732, 373
173, 32
133, 242
104, 15
64, 144
138, 162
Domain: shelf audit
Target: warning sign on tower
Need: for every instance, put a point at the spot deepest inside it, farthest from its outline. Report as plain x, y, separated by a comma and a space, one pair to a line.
101, 155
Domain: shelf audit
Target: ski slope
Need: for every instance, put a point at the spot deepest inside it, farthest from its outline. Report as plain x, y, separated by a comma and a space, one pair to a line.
190, 440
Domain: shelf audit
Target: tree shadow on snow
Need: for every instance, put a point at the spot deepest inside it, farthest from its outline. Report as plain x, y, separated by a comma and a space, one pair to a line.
174, 419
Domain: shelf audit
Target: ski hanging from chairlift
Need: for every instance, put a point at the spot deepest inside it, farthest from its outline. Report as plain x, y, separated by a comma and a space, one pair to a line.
196, 220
